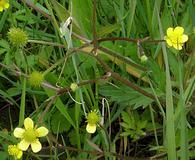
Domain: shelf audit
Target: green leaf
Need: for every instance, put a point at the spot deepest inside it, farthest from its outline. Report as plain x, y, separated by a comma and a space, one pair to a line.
82, 12
3, 155
4, 44
125, 96
61, 107
63, 14
14, 91
105, 30
157, 75
59, 123
61, 11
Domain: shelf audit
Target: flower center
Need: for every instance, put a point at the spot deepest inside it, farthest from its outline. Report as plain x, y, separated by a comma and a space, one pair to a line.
30, 135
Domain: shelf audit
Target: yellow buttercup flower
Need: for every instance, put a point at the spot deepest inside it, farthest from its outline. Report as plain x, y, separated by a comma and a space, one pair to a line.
92, 120
175, 37
15, 151
4, 4
29, 135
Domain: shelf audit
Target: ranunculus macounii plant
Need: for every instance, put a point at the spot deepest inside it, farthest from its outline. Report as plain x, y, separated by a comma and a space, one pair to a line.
175, 37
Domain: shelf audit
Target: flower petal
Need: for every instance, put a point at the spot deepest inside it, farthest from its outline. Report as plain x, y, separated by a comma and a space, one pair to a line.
36, 146
169, 31
41, 131
177, 46
184, 38
169, 42
18, 132
6, 5
19, 155
178, 30
28, 123
91, 128
1, 9
23, 145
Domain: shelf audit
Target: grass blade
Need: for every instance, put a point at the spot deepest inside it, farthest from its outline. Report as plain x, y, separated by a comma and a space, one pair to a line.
170, 130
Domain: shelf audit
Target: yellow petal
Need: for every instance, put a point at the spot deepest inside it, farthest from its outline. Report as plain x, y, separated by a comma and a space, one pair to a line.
169, 31
6, 5
1, 9
36, 146
19, 155
18, 132
178, 30
28, 123
23, 145
177, 46
169, 42
91, 128
184, 38
41, 131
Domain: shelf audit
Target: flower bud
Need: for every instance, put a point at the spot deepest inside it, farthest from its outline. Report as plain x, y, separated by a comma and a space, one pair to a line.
144, 58
74, 87
14, 150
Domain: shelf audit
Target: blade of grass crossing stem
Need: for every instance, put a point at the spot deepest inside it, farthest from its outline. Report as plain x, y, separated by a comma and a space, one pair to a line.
183, 131
22, 104
119, 12
153, 124
170, 130
75, 66
79, 95
77, 115
70, 45
132, 7
190, 90
149, 15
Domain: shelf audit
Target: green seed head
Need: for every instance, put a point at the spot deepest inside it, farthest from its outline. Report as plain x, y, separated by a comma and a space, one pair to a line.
36, 78
93, 117
17, 37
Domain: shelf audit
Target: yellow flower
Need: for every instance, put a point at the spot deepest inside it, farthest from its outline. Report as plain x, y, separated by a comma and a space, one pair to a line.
29, 135
175, 37
4, 4
15, 151
92, 120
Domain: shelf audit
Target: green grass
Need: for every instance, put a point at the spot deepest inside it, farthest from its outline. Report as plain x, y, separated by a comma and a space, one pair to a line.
146, 108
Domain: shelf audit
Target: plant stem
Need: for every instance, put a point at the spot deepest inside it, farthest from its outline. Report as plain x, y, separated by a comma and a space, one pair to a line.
22, 104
